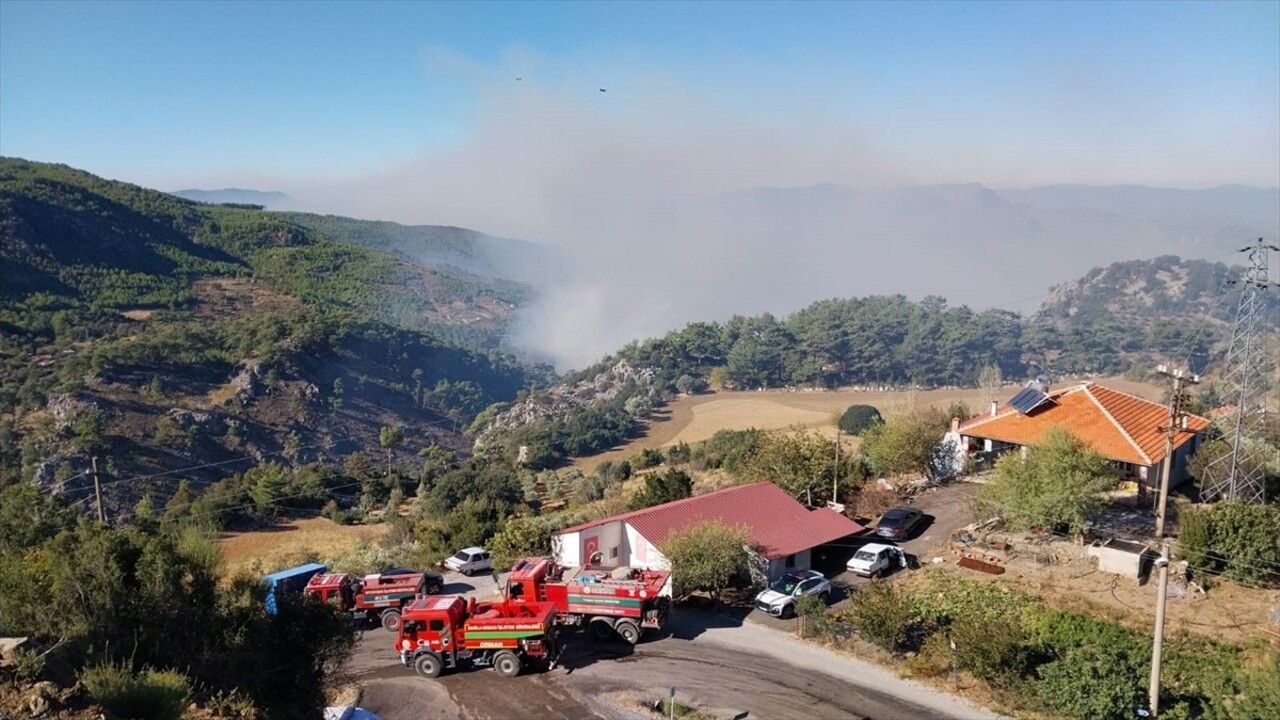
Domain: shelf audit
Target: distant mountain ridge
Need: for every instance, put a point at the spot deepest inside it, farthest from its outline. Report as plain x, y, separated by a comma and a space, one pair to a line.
270, 200
984, 246
468, 250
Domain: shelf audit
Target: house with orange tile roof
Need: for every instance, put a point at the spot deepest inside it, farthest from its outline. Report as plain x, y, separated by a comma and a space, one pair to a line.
1126, 429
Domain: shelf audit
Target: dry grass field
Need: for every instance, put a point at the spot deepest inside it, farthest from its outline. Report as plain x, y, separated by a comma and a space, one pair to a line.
292, 543
695, 418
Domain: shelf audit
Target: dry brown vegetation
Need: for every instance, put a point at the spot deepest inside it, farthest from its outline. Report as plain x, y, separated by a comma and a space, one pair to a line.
292, 543
1227, 612
693, 418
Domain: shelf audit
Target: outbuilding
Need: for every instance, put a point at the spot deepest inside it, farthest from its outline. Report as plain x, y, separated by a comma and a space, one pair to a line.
781, 530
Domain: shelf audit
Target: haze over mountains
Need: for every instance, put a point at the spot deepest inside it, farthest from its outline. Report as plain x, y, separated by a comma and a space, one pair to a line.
642, 263
271, 200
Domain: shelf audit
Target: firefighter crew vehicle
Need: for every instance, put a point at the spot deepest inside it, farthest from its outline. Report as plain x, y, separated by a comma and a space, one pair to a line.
450, 633
609, 602
376, 598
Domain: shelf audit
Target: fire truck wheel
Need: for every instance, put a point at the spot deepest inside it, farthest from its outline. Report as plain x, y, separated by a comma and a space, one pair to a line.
628, 631
507, 664
391, 620
428, 665
601, 630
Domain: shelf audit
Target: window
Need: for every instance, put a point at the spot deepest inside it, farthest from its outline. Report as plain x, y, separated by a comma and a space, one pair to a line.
437, 625
791, 561
613, 553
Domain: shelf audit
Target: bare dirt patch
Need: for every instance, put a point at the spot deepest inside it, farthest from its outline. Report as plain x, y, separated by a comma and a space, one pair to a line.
1227, 612
227, 297
138, 314
291, 543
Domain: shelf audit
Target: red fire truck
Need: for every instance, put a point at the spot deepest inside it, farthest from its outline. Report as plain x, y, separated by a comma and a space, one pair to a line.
448, 632
377, 598
609, 601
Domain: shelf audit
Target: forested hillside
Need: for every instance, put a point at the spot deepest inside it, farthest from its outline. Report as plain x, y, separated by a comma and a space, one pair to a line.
1127, 315
467, 250
157, 333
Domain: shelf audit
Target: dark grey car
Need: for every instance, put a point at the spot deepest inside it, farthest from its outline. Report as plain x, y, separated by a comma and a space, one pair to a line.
899, 523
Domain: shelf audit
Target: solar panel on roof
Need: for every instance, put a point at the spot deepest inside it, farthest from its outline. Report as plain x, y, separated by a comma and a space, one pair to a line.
1028, 399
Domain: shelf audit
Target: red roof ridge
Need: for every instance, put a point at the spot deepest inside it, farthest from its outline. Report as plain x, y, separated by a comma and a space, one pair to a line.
630, 514
777, 523
1123, 431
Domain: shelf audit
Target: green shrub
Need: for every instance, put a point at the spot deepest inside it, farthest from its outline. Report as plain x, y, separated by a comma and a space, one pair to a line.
147, 695
1095, 682
993, 650
1239, 540
858, 418
881, 614
813, 613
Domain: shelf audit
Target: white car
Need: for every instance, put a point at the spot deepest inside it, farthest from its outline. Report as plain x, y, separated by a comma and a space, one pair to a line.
876, 559
469, 561
780, 599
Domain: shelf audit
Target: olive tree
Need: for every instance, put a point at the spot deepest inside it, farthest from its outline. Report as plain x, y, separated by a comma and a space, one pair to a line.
1060, 482
706, 556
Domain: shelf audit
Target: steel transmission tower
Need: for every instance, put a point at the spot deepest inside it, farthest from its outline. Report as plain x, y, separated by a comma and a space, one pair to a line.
1238, 475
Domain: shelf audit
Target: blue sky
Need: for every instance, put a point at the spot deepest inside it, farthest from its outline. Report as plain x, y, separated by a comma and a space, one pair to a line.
180, 94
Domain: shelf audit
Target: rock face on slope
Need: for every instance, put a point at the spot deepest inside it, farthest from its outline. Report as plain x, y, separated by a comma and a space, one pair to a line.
1143, 291
555, 402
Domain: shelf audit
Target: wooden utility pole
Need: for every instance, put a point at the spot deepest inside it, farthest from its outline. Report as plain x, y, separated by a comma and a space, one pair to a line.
97, 490
1162, 564
835, 473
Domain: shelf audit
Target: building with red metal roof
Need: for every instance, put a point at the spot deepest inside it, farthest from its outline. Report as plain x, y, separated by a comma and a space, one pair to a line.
780, 529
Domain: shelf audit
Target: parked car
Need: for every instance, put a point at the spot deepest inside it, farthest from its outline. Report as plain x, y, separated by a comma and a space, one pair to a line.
781, 597
435, 581
876, 559
469, 561
899, 523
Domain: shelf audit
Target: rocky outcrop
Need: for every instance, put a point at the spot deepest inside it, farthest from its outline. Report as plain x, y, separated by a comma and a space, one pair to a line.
249, 383
558, 400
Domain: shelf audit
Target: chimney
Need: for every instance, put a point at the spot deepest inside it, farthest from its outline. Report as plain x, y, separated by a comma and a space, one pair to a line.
994, 406
955, 424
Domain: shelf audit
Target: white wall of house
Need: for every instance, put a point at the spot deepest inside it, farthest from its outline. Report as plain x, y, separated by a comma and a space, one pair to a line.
643, 554
567, 548
574, 549
778, 567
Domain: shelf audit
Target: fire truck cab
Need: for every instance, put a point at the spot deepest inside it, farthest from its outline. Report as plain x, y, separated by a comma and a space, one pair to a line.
439, 633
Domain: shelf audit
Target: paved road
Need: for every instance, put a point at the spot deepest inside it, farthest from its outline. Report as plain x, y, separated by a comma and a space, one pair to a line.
716, 664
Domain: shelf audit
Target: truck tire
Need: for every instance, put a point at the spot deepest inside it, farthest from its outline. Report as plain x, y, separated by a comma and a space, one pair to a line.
601, 629
628, 631
507, 664
391, 619
428, 665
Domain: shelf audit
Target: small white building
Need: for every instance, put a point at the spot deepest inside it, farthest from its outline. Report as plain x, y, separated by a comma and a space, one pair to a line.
780, 529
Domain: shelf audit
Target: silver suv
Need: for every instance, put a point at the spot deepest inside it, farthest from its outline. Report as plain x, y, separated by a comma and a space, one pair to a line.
780, 599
